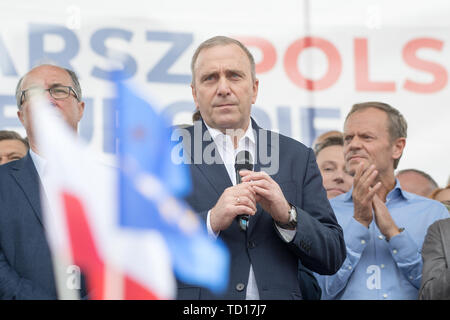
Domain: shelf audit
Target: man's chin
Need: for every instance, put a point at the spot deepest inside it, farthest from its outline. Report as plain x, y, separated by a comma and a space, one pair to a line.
334, 193
231, 123
353, 164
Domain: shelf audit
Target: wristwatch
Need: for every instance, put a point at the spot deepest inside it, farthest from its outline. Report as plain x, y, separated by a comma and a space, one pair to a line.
292, 224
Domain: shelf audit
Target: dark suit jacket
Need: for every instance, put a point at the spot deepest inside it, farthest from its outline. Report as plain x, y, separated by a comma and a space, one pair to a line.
318, 242
436, 262
26, 269
309, 286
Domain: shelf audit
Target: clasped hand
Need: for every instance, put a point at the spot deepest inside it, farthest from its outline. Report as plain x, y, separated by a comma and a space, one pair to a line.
256, 187
367, 203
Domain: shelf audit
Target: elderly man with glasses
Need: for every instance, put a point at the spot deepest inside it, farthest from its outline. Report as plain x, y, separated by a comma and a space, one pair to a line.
26, 270
62, 89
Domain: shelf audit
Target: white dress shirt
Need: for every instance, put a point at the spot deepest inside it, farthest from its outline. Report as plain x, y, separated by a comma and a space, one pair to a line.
39, 164
228, 154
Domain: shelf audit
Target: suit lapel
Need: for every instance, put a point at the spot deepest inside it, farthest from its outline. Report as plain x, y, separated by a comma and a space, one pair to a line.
444, 228
261, 137
26, 176
217, 176
214, 171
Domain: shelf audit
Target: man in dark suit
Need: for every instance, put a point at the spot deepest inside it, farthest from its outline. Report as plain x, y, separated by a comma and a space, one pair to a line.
436, 262
290, 218
26, 267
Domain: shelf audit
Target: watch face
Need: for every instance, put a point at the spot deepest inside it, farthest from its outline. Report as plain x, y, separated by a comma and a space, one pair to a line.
293, 214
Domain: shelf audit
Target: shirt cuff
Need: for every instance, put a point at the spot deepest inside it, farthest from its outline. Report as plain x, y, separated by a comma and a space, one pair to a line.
208, 226
287, 234
356, 237
403, 248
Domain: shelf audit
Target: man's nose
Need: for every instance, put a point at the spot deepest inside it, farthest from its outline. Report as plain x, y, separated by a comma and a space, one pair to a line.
223, 88
354, 144
50, 98
339, 176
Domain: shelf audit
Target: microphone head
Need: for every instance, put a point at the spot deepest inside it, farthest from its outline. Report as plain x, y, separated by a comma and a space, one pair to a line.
243, 160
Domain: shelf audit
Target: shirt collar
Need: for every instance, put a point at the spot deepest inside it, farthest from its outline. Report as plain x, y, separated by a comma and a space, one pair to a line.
39, 162
215, 133
348, 196
398, 189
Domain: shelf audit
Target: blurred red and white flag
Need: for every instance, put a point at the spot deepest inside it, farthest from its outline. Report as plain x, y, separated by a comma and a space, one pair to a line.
81, 220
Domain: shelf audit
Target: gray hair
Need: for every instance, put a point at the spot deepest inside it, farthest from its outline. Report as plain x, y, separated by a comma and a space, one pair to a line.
222, 41
397, 125
73, 76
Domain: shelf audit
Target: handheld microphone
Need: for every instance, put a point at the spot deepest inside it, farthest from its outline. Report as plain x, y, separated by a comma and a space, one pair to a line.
243, 161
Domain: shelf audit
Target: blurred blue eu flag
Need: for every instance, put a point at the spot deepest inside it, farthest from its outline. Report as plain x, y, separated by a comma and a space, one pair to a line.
151, 187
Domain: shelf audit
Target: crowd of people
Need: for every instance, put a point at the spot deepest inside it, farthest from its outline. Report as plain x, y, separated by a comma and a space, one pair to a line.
332, 222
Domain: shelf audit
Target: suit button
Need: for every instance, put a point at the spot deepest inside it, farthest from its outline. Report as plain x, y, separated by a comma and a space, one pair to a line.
251, 244
240, 287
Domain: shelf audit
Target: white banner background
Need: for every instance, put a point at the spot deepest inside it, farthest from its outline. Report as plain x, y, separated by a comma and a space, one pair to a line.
375, 35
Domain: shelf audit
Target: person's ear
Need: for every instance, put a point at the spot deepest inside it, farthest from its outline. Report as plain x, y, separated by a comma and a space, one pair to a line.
397, 148
255, 90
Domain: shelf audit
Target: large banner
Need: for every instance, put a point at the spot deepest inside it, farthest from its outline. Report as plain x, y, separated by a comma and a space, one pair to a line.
315, 59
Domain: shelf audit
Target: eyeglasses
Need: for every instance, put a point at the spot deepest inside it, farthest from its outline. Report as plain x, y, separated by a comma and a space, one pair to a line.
57, 92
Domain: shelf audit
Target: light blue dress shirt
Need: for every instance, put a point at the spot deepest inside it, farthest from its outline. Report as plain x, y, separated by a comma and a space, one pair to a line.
376, 269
